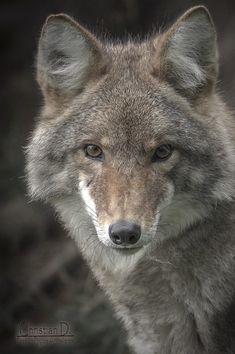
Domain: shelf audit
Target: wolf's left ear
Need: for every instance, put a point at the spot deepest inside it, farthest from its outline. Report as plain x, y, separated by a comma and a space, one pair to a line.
187, 53
68, 57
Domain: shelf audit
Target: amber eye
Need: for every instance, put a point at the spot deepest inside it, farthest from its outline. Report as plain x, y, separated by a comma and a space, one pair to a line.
93, 152
163, 152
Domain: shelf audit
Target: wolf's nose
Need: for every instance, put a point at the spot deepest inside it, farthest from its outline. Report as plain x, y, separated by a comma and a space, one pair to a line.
124, 233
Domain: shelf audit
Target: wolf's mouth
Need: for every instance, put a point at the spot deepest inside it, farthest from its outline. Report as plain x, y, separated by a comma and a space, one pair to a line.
127, 251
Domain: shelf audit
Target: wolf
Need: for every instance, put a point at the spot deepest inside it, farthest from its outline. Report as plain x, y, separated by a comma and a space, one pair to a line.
134, 148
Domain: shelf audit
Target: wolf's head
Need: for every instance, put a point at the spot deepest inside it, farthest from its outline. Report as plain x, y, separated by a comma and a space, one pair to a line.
132, 136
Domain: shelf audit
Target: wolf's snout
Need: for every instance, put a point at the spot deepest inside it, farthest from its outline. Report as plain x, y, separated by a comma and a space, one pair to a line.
124, 233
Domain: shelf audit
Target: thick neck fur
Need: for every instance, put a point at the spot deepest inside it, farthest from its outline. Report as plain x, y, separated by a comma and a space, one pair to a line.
169, 297
178, 288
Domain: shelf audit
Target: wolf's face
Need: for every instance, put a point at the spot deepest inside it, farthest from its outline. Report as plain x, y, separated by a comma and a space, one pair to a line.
130, 133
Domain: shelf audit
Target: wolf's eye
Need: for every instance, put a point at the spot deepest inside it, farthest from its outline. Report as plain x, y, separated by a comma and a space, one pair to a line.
163, 152
94, 152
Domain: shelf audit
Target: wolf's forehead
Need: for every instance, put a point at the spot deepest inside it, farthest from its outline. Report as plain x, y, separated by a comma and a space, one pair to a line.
118, 118
133, 116
127, 114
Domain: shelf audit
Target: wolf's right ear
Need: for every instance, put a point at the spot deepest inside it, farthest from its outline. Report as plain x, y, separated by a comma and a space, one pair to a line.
187, 53
68, 56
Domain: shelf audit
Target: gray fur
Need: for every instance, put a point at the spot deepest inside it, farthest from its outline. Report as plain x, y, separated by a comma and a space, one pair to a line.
192, 51
172, 292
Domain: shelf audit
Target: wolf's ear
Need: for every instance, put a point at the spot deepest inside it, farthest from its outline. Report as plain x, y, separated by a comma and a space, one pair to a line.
68, 56
187, 53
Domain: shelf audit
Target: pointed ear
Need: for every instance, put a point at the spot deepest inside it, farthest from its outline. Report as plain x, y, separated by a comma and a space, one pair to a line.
187, 53
68, 56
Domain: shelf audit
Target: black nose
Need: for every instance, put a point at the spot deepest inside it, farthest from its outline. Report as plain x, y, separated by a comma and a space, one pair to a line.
124, 233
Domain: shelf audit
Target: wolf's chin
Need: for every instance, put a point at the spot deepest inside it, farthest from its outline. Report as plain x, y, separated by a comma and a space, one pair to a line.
121, 261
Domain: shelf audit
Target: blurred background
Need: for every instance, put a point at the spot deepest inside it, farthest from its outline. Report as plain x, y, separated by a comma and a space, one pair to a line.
43, 279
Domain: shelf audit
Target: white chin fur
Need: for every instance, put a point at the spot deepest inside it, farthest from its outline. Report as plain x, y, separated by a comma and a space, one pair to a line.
121, 262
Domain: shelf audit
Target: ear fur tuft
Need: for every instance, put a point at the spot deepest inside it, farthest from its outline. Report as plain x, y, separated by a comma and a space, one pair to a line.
67, 56
187, 53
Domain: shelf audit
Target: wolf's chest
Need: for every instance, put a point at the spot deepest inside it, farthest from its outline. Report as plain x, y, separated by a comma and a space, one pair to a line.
156, 319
